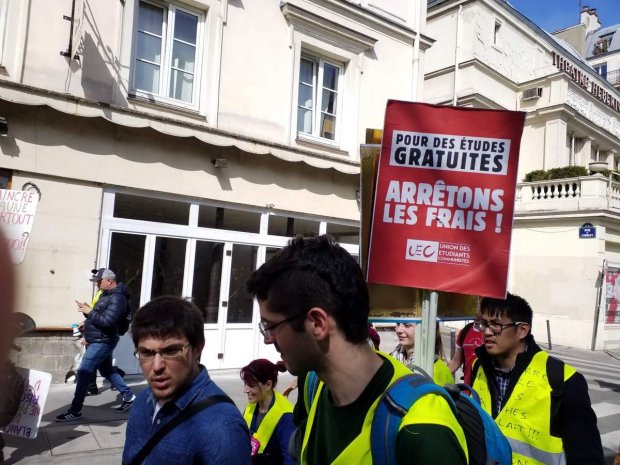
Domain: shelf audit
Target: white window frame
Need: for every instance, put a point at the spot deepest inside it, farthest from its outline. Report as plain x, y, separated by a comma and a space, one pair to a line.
497, 32
313, 34
601, 69
317, 95
4, 8
170, 9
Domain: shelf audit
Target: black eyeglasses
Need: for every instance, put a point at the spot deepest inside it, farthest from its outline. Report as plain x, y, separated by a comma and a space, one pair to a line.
266, 329
167, 352
495, 328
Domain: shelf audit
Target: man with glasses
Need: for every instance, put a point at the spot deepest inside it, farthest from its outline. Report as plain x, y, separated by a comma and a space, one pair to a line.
101, 336
515, 379
314, 307
168, 333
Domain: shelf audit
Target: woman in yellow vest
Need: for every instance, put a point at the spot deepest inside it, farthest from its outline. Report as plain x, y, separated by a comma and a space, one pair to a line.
404, 352
269, 415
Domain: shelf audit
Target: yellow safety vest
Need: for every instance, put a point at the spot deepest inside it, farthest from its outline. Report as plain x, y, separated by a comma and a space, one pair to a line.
441, 373
96, 298
270, 421
525, 419
429, 409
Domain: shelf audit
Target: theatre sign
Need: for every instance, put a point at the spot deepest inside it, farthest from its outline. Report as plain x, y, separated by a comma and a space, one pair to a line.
583, 79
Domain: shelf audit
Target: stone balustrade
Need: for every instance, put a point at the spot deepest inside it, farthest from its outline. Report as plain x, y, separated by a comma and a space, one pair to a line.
583, 193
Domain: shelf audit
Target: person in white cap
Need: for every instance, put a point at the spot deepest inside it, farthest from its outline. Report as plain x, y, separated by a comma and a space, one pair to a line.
101, 334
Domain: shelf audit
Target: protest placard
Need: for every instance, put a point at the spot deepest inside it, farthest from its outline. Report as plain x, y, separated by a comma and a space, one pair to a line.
26, 421
17, 210
444, 198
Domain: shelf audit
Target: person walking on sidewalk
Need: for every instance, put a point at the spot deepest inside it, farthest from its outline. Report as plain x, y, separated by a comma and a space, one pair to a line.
101, 335
183, 417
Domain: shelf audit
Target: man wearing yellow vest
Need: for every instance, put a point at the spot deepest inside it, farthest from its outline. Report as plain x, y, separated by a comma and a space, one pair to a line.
512, 380
314, 307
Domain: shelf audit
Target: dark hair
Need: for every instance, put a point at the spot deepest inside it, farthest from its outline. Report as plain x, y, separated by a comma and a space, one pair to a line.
513, 307
439, 352
315, 272
260, 371
168, 316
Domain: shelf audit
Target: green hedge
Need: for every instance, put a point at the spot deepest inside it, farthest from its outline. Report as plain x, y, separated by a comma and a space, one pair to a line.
556, 173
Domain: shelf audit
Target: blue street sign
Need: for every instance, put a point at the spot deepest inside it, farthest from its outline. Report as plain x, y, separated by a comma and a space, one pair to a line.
587, 231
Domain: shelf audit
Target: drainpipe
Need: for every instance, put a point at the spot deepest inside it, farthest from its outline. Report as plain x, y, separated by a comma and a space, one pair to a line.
416, 53
597, 308
456, 56
571, 162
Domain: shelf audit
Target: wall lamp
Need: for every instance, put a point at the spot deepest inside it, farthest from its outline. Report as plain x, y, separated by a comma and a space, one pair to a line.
220, 163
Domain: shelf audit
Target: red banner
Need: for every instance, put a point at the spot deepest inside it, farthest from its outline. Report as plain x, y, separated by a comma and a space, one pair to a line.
444, 200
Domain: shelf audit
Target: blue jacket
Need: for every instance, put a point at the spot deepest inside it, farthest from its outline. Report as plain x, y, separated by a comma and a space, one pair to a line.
102, 322
217, 435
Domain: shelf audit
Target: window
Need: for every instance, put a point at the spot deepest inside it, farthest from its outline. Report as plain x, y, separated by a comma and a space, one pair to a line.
5, 179
166, 54
498, 26
318, 104
138, 207
601, 70
602, 44
4, 4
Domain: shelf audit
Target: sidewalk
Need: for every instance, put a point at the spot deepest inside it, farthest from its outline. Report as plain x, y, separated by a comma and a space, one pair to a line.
97, 438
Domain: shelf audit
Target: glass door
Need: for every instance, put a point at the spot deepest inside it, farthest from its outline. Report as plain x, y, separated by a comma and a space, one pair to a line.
239, 330
127, 260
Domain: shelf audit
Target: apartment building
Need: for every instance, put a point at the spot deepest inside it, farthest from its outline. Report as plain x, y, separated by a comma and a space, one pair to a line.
181, 142
565, 255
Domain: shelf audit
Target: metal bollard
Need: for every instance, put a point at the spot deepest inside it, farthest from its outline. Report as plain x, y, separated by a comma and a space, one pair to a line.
452, 343
549, 335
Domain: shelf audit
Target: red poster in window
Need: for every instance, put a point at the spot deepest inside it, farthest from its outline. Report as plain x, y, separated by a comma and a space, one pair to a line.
444, 199
612, 292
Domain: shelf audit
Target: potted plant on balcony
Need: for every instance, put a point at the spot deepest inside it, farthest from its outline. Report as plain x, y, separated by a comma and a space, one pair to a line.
598, 166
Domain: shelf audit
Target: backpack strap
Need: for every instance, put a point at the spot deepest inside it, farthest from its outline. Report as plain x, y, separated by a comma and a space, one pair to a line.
474, 370
311, 384
463, 333
176, 421
392, 407
555, 376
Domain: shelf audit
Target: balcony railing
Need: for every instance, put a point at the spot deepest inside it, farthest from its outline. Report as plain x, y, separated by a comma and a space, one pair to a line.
613, 77
569, 195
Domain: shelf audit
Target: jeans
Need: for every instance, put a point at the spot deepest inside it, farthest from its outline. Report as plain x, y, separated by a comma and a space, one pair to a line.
98, 356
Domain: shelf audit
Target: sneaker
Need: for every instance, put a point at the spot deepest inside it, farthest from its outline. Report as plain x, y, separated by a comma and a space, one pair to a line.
68, 416
126, 405
92, 392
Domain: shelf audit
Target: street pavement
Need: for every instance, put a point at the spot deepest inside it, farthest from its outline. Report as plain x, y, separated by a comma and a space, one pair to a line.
98, 437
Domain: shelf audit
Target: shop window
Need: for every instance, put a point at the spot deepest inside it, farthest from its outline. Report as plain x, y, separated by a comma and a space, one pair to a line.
207, 279
318, 100
240, 302
612, 294
343, 234
5, 179
290, 226
168, 267
228, 218
127, 260
136, 207
166, 60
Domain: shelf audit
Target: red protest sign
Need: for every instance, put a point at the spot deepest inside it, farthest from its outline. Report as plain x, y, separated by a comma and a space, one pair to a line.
444, 199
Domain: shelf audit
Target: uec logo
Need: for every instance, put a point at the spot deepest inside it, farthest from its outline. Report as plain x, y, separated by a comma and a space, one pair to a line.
423, 251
